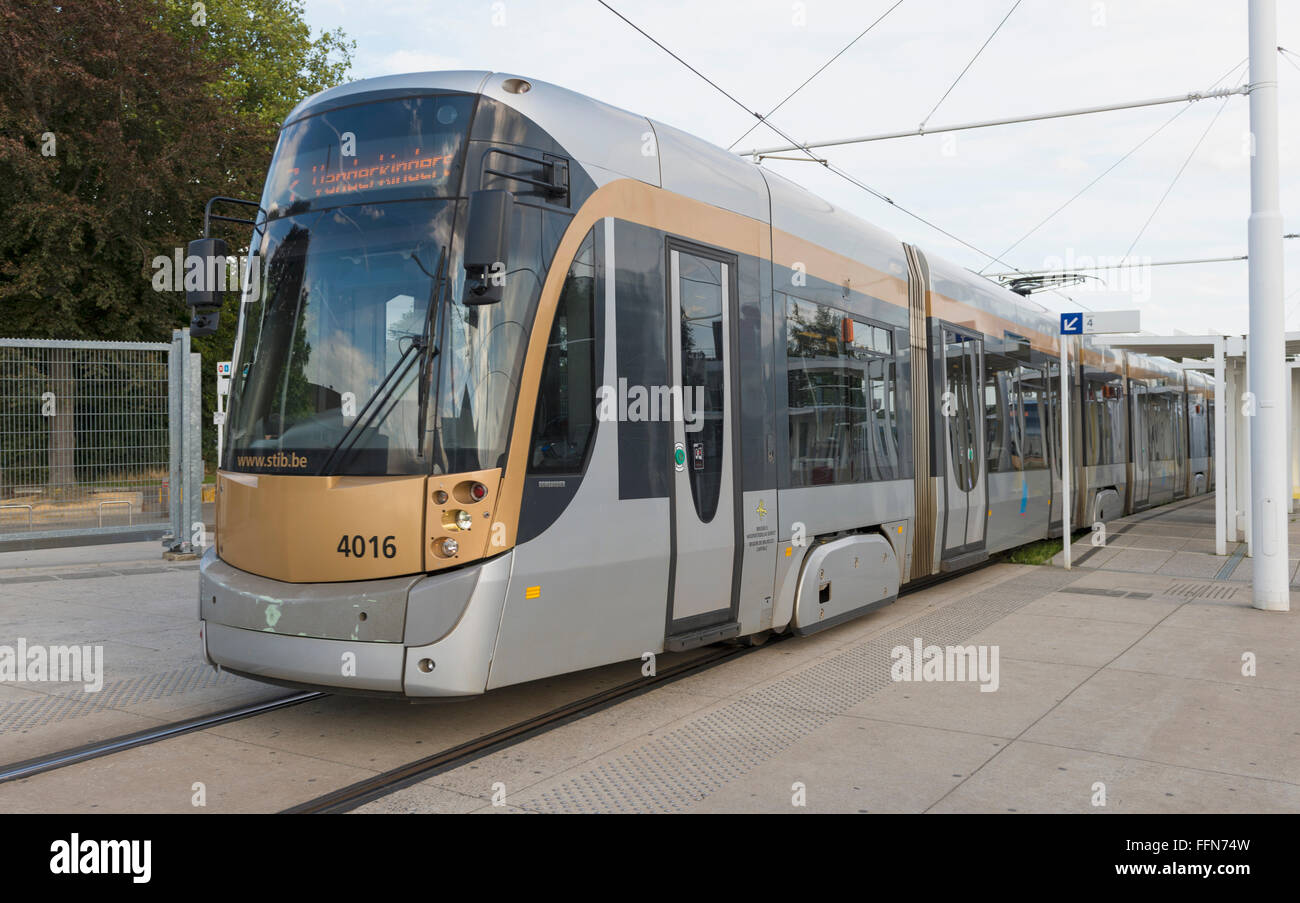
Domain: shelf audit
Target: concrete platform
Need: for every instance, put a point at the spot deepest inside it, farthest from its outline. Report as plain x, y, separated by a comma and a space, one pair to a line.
1118, 691
142, 611
1174, 540
1117, 679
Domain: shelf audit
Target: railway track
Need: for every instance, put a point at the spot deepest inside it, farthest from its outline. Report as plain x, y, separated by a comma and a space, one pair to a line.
41, 764
361, 792
347, 798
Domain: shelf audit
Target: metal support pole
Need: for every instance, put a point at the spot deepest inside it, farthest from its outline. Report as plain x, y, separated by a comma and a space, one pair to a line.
178, 353
1290, 437
194, 453
1220, 452
1267, 348
1065, 452
1232, 465
185, 471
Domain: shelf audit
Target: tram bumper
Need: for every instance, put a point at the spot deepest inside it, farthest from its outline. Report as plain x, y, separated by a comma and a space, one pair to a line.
419, 636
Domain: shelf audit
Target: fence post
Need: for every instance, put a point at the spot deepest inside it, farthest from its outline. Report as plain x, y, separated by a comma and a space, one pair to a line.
185, 492
194, 451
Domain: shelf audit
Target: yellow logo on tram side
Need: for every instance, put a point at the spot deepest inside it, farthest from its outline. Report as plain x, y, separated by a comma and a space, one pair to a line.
761, 510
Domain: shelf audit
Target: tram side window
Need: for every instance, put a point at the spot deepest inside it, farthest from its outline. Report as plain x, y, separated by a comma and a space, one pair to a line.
566, 399
958, 400
1003, 439
843, 405
1028, 396
1103, 417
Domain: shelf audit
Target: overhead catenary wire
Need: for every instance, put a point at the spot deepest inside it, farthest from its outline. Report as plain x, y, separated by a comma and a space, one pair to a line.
795, 145
1015, 244
862, 34
1178, 175
1287, 55
963, 72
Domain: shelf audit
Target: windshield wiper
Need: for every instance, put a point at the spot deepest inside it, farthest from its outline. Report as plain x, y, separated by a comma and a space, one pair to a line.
431, 332
393, 378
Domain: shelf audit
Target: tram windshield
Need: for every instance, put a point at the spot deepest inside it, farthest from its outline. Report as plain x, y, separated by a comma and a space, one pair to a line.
355, 355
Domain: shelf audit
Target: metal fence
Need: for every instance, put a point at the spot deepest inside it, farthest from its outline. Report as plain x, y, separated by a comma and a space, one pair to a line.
93, 437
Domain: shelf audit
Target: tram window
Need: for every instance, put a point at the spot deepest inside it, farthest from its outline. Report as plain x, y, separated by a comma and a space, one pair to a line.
843, 403
702, 361
1028, 397
566, 397
1003, 433
959, 383
1103, 417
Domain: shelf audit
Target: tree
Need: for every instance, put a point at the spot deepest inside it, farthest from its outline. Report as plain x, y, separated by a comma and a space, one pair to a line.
118, 120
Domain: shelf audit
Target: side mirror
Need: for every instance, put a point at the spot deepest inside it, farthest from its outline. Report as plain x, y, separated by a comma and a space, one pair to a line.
487, 244
211, 288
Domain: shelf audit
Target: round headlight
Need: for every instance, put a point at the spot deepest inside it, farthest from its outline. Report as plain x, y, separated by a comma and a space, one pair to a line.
464, 520
450, 547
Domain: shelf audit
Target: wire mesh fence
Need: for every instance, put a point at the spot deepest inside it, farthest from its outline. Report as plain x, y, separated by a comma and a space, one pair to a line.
85, 444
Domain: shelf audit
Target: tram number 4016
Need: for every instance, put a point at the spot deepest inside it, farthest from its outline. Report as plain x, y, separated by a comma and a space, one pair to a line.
358, 545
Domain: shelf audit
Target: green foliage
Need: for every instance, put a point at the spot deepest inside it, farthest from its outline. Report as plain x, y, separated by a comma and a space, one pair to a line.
267, 57
148, 114
1040, 552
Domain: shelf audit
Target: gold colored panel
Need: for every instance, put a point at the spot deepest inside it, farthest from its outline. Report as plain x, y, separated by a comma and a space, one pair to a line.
289, 527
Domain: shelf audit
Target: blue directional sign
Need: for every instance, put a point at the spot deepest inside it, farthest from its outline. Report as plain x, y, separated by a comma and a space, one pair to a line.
1072, 324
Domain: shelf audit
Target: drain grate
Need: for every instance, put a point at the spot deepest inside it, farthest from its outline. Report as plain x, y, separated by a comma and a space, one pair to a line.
1186, 589
690, 762
1193, 590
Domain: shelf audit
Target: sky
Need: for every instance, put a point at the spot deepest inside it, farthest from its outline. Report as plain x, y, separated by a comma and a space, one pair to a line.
987, 187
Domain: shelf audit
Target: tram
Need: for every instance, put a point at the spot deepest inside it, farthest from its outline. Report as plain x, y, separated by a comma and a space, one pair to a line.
530, 384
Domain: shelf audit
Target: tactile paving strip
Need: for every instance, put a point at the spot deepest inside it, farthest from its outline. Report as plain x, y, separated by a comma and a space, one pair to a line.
692, 761
29, 713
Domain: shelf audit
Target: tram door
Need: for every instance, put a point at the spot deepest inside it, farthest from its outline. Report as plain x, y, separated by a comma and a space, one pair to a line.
1140, 444
962, 425
704, 479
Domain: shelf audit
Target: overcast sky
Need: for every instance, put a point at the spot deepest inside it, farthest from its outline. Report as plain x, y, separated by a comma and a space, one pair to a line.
987, 187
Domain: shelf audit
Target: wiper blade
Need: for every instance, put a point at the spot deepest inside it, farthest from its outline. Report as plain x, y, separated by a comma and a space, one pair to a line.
372, 407
429, 340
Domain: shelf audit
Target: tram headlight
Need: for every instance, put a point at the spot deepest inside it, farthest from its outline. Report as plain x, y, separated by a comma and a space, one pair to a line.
464, 520
449, 547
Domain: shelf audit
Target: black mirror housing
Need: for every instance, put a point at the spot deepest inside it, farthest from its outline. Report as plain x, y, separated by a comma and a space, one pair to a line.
487, 244
204, 322
213, 254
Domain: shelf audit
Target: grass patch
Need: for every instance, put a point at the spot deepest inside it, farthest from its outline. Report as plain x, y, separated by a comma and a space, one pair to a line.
1039, 552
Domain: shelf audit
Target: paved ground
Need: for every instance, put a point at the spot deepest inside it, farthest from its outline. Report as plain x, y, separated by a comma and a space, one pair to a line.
1127, 686
1175, 540
1131, 684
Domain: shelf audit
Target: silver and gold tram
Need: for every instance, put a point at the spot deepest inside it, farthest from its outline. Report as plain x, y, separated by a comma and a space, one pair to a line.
530, 384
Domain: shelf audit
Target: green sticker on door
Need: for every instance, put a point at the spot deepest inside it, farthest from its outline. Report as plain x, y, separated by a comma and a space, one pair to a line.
679, 456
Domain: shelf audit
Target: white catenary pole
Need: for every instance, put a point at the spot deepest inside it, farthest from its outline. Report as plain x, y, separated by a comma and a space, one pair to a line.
1065, 450
1266, 352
